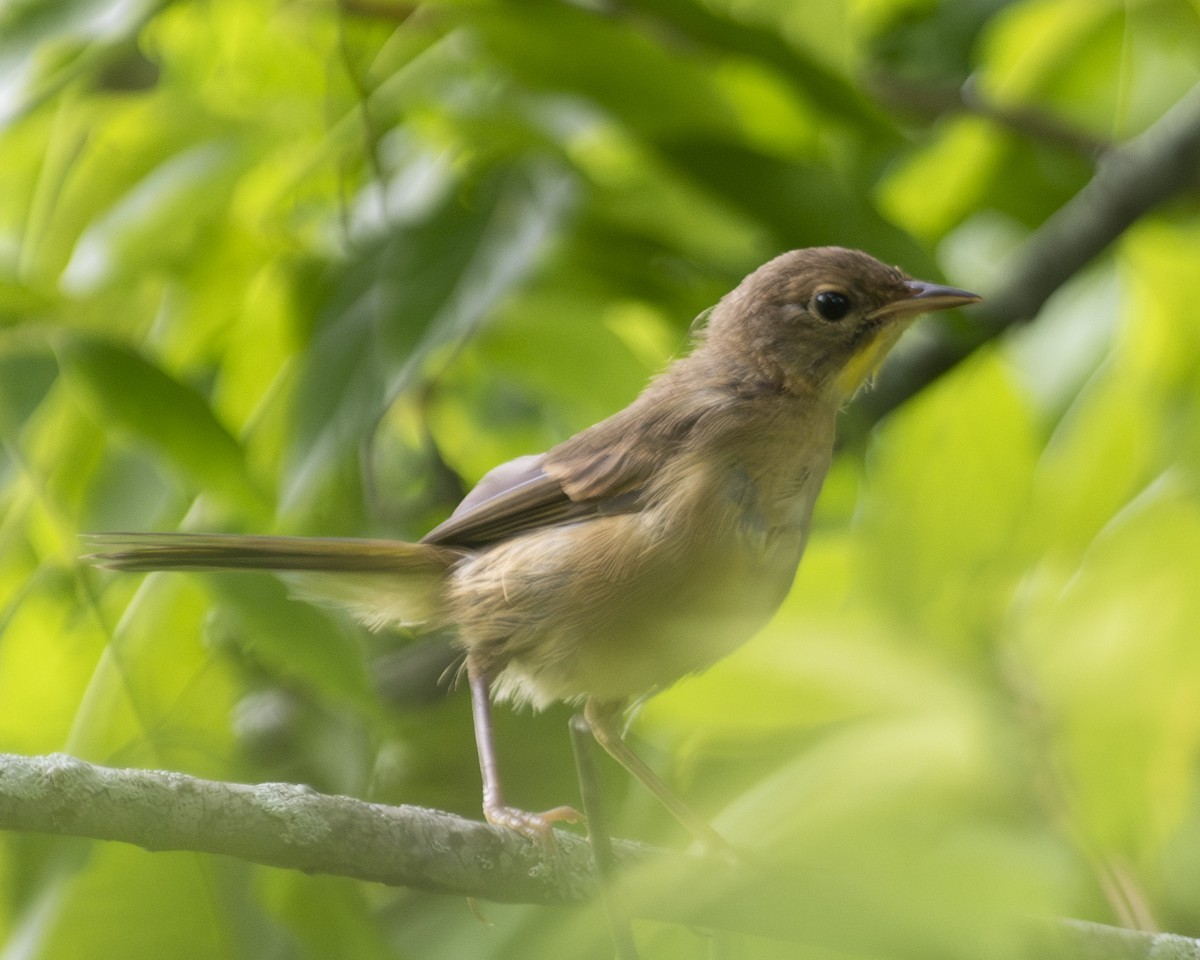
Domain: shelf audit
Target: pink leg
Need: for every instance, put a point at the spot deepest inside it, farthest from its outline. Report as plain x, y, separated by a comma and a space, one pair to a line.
495, 811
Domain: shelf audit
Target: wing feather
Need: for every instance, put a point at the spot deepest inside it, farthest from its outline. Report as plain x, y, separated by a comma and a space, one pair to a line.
514, 497
603, 470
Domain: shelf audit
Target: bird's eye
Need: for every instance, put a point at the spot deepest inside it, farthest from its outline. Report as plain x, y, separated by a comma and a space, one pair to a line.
831, 305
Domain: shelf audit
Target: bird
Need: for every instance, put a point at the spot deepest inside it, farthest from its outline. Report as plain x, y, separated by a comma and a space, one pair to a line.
640, 550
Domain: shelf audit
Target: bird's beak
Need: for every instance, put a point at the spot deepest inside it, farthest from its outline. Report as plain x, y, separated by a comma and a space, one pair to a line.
925, 298
889, 322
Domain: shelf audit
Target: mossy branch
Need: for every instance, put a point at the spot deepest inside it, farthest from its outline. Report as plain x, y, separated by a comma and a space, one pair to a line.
290, 826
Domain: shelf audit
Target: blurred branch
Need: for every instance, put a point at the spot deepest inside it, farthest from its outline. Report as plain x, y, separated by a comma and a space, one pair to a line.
1130, 181
931, 101
293, 827
1080, 940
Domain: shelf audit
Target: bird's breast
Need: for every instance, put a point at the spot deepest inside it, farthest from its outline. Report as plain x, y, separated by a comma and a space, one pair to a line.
618, 605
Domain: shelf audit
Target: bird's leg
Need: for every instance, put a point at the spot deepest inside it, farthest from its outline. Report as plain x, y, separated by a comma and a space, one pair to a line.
495, 811
602, 716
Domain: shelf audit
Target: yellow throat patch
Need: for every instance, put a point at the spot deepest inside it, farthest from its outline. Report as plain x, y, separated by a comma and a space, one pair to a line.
864, 364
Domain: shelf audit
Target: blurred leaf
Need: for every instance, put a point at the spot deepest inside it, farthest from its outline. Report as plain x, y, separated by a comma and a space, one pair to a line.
154, 221
932, 41
154, 697
656, 90
907, 866
803, 205
131, 902
423, 287
825, 89
123, 390
71, 31
937, 188
25, 379
47, 656
1115, 652
1061, 54
295, 639
331, 916
939, 538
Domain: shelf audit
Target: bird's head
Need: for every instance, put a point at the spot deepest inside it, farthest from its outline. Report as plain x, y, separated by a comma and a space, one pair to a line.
823, 317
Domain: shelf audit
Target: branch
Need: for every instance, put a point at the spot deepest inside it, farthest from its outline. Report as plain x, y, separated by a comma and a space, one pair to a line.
1081, 940
933, 101
294, 827
285, 825
1131, 180
289, 826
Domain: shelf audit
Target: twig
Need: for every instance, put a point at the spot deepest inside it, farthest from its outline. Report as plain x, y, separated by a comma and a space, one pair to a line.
598, 835
930, 101
1131, 180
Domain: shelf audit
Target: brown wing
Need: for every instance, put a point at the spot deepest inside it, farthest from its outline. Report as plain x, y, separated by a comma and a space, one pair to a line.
601, 471
514, 497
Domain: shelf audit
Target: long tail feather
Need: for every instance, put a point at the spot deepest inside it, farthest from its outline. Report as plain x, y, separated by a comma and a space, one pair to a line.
379, 581
201, 551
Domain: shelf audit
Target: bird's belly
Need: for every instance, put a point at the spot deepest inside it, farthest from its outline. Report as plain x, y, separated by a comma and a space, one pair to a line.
678, 630
611, 608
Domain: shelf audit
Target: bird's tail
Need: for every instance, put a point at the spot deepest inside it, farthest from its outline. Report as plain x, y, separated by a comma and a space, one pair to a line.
380, 581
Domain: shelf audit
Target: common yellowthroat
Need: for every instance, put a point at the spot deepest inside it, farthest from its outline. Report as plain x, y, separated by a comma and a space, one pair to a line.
640, 550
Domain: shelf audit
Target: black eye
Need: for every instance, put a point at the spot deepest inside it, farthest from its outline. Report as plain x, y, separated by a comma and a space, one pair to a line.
831, 305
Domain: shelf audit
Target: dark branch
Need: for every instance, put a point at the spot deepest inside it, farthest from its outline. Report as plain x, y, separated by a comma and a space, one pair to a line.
930, 102
1131, 180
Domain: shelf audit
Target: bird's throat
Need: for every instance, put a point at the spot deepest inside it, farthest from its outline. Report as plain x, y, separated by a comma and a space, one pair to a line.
865, 362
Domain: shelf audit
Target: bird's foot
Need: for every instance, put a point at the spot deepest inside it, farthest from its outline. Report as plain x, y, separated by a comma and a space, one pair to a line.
535, 826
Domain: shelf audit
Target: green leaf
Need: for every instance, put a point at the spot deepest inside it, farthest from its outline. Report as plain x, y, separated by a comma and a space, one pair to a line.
1115, 657
293, 638
131, 903
124, 391
948, 485
156, 221
424, 287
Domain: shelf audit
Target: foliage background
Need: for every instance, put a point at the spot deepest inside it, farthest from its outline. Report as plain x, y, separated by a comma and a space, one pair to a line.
308, 268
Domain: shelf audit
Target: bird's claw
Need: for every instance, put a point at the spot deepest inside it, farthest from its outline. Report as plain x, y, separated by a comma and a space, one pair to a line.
534, 826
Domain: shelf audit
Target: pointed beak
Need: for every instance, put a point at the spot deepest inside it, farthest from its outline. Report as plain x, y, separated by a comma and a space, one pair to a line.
925, 298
